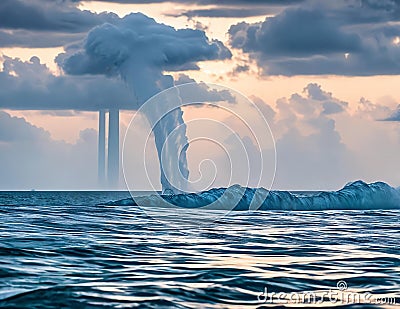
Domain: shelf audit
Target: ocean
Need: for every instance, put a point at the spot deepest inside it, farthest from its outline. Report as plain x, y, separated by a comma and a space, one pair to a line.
70, 250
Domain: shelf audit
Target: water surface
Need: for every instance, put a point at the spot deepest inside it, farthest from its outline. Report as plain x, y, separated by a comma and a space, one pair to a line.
59, 249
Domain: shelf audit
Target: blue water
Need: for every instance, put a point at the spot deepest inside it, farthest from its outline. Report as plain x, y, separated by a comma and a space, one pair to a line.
64, 250
356, 195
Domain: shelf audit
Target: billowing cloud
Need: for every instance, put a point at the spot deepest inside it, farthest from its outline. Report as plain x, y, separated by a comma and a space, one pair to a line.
139, 38
140, 50
32, 39
296, 32
321, 143
202, 92
320, 40
31, 85
310, 149
48, 16
41, 23
365, 12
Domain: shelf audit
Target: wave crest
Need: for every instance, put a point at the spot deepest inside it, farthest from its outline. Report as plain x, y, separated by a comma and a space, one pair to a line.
356, 195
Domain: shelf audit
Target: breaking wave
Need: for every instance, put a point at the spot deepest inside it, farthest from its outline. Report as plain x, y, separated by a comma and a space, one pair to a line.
356, 195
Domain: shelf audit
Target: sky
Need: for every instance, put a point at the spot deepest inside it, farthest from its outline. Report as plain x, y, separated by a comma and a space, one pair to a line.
325, 74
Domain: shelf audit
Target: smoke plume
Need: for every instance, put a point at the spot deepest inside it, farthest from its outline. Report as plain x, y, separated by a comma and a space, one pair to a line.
139, 50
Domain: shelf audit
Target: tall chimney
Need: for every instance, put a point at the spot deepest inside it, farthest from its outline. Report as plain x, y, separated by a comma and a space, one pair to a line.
113, 148
101, 160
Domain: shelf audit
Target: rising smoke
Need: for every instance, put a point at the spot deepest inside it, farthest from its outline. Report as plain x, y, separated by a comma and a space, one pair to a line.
139, 50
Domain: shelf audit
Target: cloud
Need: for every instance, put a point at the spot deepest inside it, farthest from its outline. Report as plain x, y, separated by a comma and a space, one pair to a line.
41, 23
48, 16
30, 85
202, 92
32, 39
310, 142
366, 11
296, 32
31, 159
139, 50
394, 116
319, 40
311, 152
316, 150
321, 143
373, 111
137, 36
332, 108
228, 12
330, 105
224, 9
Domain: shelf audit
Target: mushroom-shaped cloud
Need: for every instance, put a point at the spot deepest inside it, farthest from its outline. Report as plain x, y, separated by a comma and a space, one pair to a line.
139, 50
137, 42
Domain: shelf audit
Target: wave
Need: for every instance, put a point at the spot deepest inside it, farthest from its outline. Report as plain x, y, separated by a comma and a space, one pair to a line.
356, 195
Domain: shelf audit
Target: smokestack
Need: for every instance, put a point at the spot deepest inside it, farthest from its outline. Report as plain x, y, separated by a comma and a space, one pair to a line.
101, 161
113, 148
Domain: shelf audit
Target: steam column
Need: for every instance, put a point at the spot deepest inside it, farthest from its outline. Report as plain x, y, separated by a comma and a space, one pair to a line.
113, 148
101, 161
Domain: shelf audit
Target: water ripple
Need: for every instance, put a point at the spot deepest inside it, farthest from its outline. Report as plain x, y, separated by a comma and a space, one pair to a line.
75, 254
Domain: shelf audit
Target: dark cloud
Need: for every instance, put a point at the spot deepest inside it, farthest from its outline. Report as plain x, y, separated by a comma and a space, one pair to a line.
294, 33
267, 111
312, 42
242, 68
48, 16
332, 108
330, 105
30, 85
373, 111
315, 92
32, 39
386, 5
395, 116
202, 92
139, 50
61, 113
320, 142
228, 12
369, 11
43, 23
225, 8
108, 47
